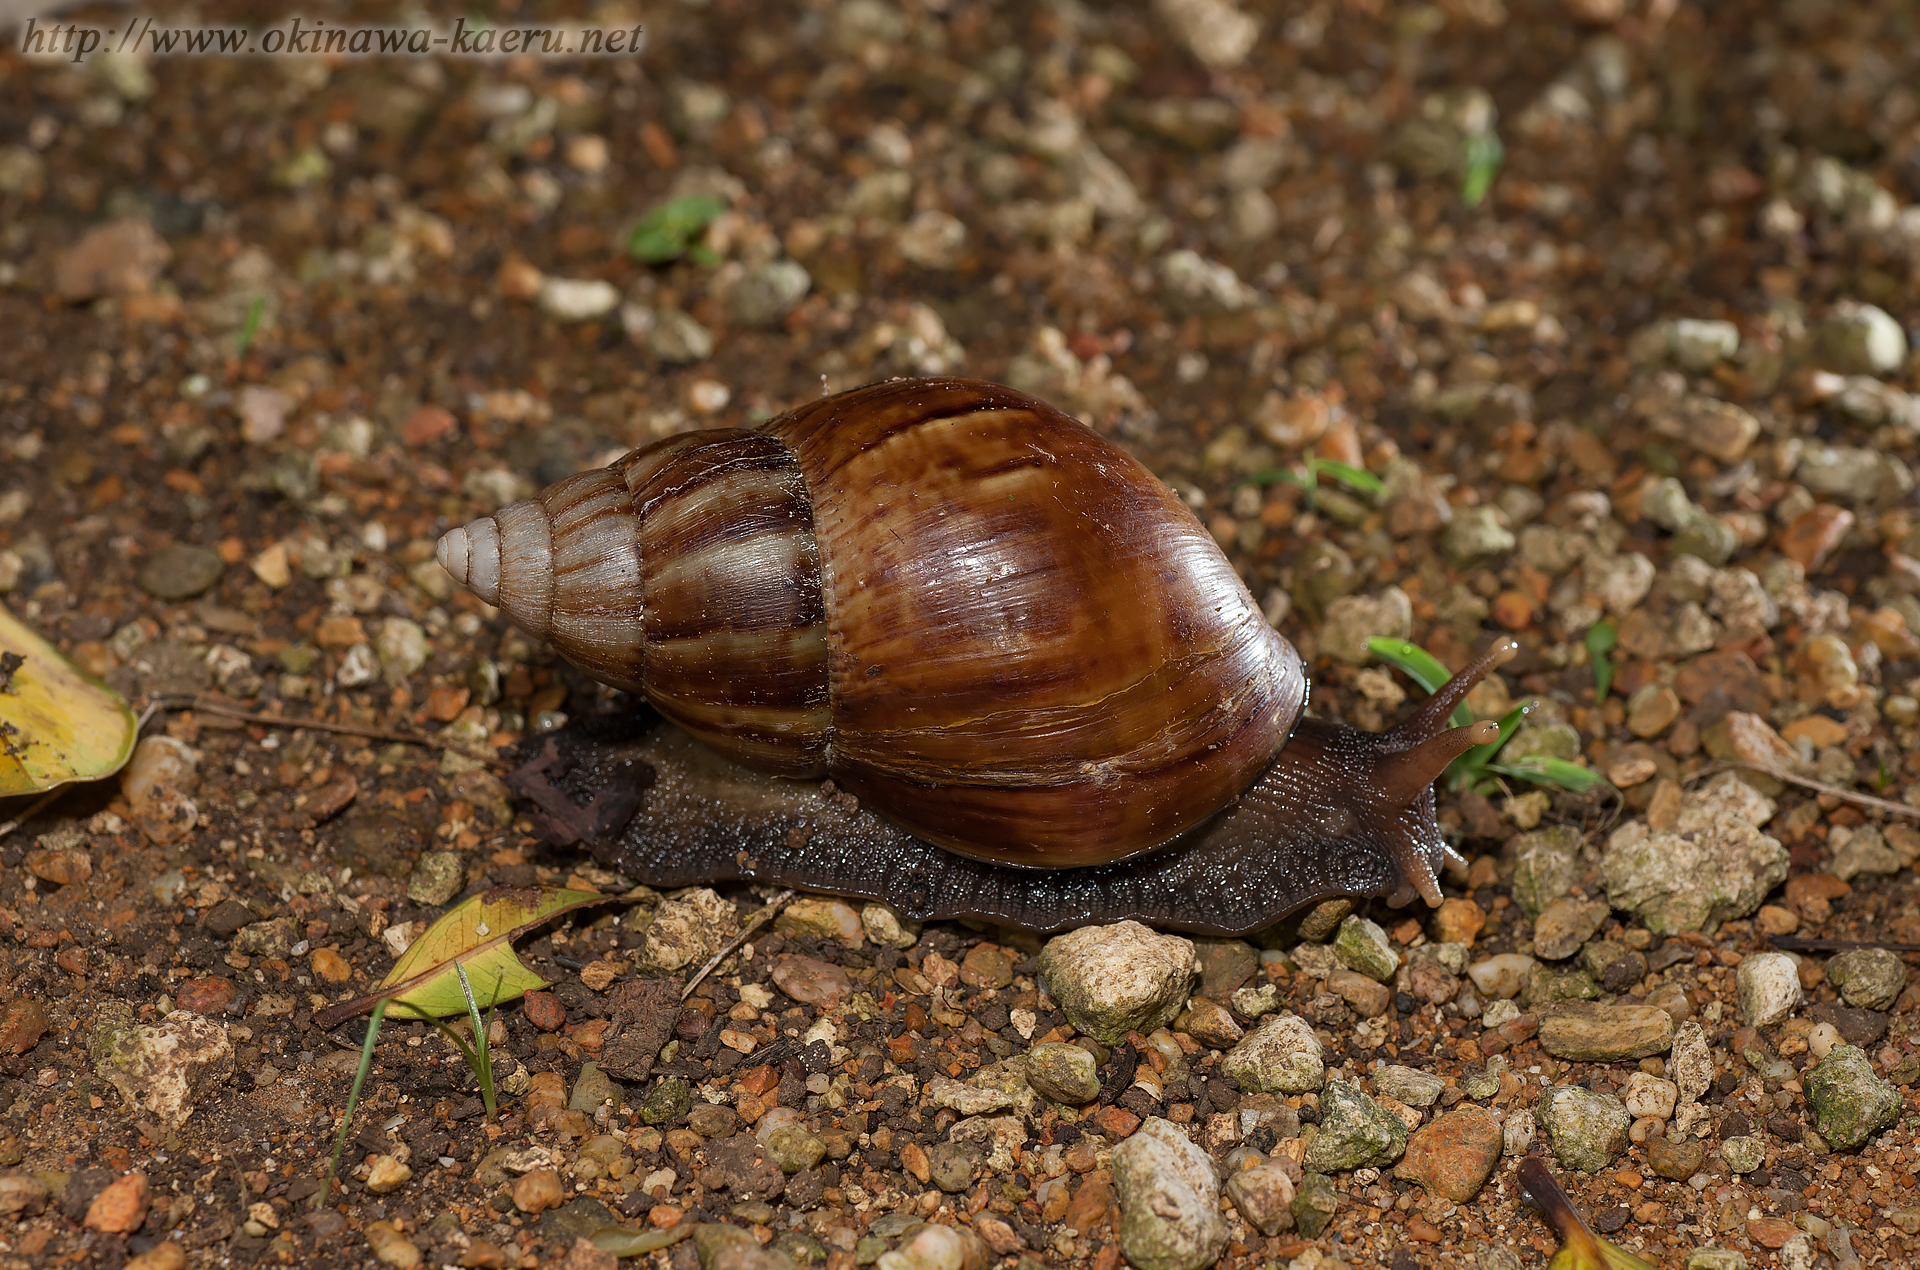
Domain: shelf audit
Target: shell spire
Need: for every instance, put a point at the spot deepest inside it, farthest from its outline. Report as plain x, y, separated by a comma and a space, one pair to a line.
507, 560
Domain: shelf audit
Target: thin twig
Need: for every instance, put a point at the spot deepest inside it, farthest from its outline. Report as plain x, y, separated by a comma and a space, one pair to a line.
30, 812
1795, 943
218, 710
1806, 782
759, 919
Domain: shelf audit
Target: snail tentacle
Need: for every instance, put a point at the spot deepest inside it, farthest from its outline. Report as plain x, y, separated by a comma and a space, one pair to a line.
1432, 715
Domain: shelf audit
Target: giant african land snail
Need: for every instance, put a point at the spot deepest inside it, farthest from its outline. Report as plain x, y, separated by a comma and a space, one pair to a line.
1005, 636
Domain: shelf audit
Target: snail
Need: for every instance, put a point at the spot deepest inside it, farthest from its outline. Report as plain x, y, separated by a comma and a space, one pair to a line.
943, 646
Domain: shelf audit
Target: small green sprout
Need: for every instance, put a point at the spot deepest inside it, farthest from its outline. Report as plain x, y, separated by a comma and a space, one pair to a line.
1307, 476
251, 327
1602, 637
673, 230
1483, 159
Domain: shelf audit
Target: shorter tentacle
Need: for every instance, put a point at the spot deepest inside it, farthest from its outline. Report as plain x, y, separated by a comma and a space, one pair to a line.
1403, 775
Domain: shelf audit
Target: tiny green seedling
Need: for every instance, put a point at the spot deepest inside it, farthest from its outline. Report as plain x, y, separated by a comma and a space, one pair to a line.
1307, 476
478, 1057
479, 1060
430, 981
673, 230
1602, 637
1483, 158
353, 1100
251, 327
1477, 769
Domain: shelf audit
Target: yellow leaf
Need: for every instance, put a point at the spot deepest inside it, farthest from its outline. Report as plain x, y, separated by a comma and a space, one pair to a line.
478, 936
57, 724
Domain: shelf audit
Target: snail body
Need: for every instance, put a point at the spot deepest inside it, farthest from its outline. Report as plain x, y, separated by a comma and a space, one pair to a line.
1014, 645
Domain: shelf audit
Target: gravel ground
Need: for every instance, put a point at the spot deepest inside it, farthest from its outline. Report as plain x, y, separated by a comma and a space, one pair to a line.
274, 325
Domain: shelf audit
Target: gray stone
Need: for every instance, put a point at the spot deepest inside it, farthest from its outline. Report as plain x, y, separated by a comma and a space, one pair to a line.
1711, 870
1225, 964
1853, 475
1699, 344
1408, 1084
1588, 1130
667, 1101
1001, 1137
1555, 984
1169, 1200
1716, 1259
576, 1220
1355, 1132
1860, 339
1516, 1132
1314, 1203
1111, 980
272, 939
1597, 1033
402, 647
1253, 1003
228, 918
1369, 998
1194, 284
1264, 1196
1504, 975
593, 1089
1620, 581
673, 335
1850, 1103
1361, 945
437, 877
1476, 534
179, 571
1664, 501
1707, 537
932, 1248
1352, 620
1767, 986
1870, 978
994, 1089
1564, 925
793, 1150
1743, 1154
577, 299
1063, 1073
163, 1069
1865, 851
1280, 1056
764, 295
1546, 865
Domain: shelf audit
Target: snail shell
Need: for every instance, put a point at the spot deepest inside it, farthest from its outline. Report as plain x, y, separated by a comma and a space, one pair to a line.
962, 605
1003, 634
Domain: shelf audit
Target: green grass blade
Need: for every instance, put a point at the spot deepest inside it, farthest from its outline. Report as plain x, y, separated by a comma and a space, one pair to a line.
1550, 771
1350, 476
481, 1061
1422, 667
353, 1100
1602, 638
1484, 156
251, 326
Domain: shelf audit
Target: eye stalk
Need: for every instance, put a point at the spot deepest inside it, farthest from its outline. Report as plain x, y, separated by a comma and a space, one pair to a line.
1413, 755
